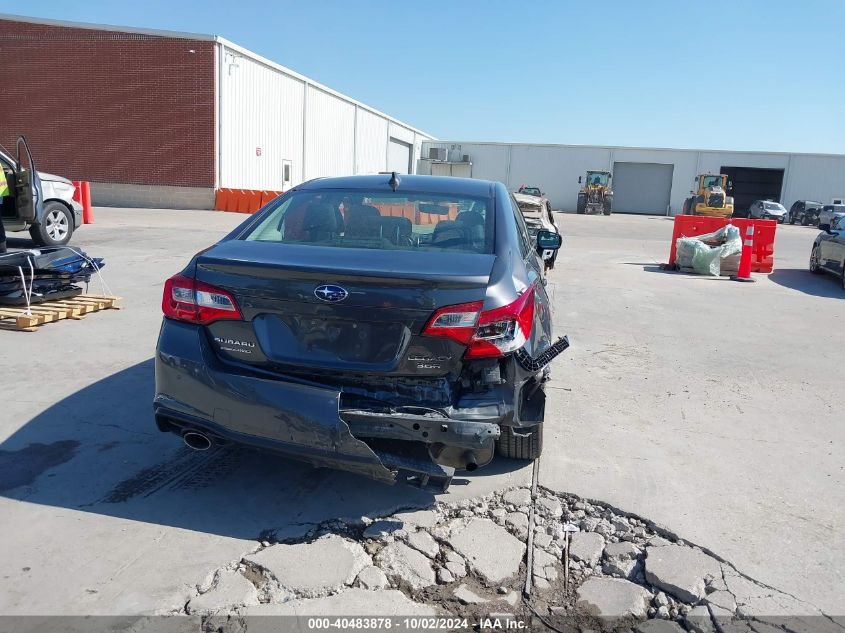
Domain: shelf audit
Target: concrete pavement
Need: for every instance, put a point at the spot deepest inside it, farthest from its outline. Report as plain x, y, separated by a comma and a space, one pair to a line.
717, 424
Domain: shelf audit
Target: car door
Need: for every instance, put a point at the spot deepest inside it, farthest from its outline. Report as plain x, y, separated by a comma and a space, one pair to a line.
28, 192
835, 246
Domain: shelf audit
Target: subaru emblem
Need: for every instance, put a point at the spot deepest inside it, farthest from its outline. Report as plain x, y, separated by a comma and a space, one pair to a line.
330, 293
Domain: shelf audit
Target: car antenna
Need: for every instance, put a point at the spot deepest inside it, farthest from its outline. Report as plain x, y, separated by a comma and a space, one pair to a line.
394, 181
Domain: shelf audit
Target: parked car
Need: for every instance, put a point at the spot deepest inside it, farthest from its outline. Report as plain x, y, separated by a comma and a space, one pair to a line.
538, 216
829, 212
767, 210
805, 212
828, 254
394, 327
41, 203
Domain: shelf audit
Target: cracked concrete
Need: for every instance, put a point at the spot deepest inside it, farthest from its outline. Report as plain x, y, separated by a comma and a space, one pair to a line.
466, 559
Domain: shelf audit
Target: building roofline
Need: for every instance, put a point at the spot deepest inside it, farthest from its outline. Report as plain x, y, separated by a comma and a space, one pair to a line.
107, 27
220, 41
316, 84
628, 147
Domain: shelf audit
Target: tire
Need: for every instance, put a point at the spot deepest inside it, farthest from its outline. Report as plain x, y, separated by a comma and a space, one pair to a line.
582, 204
792, 218
815, 267
527, 445
607, 210
843, 276
805, 221
56, 226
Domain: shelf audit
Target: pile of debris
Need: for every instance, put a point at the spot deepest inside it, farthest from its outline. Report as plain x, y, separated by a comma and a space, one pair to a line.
468, 559
714, 254
38, 275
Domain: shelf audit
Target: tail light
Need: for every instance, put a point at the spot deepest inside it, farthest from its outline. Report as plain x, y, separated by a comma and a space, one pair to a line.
187, 299
489, 334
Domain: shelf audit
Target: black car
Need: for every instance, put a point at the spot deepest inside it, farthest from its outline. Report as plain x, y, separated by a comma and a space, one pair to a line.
805, 212
397, 327
828, 254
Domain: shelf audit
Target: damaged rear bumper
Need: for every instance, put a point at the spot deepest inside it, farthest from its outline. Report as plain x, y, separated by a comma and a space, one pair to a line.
194, 391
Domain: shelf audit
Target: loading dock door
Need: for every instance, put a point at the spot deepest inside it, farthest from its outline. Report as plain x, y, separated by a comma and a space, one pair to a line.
398, 156
752, 183
642, 187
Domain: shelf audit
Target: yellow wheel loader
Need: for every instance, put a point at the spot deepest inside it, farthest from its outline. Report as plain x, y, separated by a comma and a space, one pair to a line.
710, 197
595, 195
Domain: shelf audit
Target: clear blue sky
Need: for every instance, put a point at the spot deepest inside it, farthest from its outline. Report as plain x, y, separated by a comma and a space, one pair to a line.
750, 75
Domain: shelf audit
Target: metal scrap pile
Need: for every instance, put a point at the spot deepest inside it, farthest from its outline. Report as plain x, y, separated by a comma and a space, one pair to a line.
34, 276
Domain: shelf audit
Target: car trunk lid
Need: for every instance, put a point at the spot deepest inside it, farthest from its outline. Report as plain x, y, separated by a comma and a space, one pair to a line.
340, 309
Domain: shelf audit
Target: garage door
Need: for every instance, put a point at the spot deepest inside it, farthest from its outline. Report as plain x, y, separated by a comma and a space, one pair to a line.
750, 183
398, 156
642, 187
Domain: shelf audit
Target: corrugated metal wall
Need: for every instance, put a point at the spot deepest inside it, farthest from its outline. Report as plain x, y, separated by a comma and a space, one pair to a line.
261, 114
268, 115
329, 135
556, 168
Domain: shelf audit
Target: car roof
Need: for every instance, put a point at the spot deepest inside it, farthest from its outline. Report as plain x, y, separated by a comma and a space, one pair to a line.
409, 182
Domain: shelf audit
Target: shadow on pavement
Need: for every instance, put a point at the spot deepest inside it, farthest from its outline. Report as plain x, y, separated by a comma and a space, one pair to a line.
801, 279
99, 451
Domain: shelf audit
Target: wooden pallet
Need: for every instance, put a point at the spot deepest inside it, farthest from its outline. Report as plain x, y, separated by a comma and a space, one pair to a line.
16, 318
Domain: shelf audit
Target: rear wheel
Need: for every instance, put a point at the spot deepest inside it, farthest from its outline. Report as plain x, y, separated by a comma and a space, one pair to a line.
792, 218
56, 226
607, 207
520, 443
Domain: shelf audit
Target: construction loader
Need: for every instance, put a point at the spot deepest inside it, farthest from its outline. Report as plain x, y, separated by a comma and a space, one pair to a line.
710, 197
595, 195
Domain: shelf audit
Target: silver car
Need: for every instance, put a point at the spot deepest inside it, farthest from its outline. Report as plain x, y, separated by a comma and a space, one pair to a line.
767, 210
830, 212
39, 202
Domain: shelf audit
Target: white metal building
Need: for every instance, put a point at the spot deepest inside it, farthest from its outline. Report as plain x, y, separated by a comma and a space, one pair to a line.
648, 180
277, 128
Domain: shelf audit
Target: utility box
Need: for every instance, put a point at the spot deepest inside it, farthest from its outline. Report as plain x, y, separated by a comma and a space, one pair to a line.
458, 170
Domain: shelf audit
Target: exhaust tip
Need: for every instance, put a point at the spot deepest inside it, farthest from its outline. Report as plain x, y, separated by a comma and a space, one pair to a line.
196, 441
470, 461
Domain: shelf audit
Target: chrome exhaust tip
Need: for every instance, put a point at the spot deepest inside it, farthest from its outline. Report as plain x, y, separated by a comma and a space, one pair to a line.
470, 461
196, 440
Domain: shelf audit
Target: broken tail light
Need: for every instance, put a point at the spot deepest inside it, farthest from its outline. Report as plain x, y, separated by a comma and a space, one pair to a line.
488, 334
186, 299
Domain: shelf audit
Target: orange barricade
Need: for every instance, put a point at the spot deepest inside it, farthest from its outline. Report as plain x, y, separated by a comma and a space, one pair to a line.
243, 200
764, 236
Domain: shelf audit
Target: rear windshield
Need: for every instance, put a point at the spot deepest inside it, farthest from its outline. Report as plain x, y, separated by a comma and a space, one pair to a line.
380, 220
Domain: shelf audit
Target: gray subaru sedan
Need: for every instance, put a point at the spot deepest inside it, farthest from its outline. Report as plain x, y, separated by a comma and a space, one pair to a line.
392, 326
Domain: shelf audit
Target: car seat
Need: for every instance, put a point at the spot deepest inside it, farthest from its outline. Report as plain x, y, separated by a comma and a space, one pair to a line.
451, 234
319, 223
358, 222
397, 230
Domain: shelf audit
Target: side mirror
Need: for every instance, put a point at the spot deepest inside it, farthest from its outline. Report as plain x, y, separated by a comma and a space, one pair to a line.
548, 240
579, 180
824, 227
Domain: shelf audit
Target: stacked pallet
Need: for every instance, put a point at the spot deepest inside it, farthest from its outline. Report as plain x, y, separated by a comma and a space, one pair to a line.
23, 320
